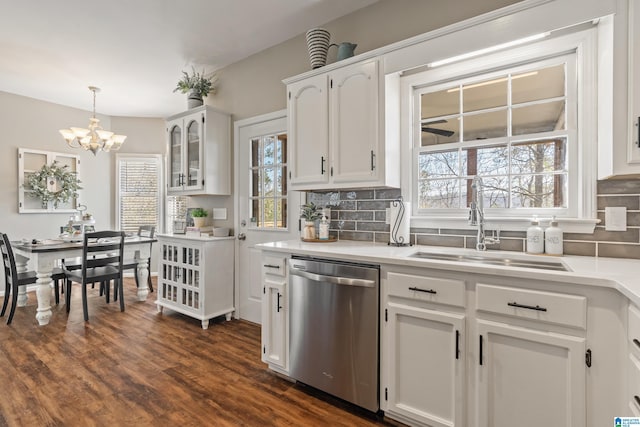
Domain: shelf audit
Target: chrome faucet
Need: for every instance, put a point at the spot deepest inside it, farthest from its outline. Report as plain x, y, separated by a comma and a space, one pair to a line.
476, 216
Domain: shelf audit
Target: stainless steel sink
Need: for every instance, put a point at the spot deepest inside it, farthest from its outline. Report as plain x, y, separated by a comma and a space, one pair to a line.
493, 260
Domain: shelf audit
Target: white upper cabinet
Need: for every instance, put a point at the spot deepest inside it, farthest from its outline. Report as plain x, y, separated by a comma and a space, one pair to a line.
308, 117
198, 153
336, 125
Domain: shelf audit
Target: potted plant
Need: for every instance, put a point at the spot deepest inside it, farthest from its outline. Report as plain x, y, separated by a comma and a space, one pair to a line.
199, 216
309, 215
196, 85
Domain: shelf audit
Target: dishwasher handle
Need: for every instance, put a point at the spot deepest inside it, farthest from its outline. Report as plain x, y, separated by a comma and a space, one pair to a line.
338, 280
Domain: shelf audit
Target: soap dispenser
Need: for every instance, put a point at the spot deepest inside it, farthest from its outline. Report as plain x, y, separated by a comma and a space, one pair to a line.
324, 229
535, 237
553, 238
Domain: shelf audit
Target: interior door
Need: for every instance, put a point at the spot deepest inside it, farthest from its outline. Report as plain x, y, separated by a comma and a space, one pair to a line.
265, 210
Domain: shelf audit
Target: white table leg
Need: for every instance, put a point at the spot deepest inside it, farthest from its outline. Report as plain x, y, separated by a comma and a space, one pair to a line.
21, 267
143, 277
43, 292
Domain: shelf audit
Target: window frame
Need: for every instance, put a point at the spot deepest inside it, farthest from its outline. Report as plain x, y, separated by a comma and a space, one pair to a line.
583, 43
570, 132
156, 158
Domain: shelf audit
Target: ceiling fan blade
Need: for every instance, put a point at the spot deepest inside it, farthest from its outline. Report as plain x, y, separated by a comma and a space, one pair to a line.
434, 122
435, 131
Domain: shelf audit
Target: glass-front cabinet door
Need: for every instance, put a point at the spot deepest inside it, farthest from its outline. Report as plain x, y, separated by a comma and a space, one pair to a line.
193, 126
175, 155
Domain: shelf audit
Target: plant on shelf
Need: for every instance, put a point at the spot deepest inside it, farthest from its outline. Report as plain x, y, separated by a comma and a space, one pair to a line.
309, 213
199, 216
199, 213
196, 85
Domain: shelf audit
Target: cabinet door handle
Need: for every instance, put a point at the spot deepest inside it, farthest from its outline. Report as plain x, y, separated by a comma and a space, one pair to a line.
480, 350
457, 344
428, 291
279, 307
528, 307
373, 164
322, 165
636, 342
637, 399
271, 266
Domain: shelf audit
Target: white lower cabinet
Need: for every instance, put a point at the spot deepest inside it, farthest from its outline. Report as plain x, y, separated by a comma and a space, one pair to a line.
275, 318
196, 276
426, 365
529, 378
423, 373
633, 362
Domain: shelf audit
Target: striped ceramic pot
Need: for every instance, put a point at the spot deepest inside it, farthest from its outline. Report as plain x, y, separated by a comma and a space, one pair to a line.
318, 45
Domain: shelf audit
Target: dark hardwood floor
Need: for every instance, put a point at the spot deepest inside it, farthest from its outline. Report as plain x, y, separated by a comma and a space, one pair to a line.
141, 368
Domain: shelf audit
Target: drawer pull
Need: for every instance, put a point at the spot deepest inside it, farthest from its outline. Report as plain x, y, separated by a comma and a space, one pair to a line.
637, 399
636, 342
528, 307
271, 266
429, 291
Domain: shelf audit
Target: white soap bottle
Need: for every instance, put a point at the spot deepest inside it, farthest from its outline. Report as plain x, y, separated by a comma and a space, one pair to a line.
324, 229
553, 238
535, 238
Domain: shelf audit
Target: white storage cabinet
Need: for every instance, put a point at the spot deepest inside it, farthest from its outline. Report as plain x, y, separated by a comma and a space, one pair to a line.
275, 309
198, 152
196, 276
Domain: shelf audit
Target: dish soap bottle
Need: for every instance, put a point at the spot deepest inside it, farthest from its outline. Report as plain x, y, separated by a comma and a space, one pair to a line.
535, 238
324, 229
553, 238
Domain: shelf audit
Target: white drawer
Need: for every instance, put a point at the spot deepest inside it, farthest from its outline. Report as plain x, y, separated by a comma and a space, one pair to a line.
423, 288
633, 331
274, 264
563, 309
633, 385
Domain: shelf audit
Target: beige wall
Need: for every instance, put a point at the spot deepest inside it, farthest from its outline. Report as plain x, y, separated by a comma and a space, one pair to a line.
254, 86
34, 124
248, 88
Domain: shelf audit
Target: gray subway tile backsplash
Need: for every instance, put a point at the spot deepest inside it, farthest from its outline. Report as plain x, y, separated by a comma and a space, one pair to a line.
361, 214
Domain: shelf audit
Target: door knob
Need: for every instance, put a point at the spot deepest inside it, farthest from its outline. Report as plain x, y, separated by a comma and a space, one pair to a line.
242, 236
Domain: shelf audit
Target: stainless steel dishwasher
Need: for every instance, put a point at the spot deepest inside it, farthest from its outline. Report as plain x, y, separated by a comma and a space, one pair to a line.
334, 328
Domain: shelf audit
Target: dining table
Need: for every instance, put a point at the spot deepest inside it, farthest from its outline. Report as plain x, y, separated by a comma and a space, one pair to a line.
45, 254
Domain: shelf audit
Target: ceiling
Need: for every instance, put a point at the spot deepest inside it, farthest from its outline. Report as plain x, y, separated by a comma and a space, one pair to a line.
135, 51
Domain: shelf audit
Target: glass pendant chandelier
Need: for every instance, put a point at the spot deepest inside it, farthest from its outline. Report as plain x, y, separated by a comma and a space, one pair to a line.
95, 138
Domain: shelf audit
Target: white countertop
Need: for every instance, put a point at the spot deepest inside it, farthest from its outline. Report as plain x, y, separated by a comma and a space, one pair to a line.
617, 273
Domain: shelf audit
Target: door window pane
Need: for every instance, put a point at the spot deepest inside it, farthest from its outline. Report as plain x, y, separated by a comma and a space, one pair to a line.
268, 181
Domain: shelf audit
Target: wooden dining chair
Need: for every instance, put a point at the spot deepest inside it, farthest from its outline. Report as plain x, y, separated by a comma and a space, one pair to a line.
143, 231
102, 258
13, 280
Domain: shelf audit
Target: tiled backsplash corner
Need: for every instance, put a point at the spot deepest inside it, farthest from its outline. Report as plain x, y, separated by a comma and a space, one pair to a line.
360, 215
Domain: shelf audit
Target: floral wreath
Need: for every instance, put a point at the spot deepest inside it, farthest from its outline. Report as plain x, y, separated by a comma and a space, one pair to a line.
68, 183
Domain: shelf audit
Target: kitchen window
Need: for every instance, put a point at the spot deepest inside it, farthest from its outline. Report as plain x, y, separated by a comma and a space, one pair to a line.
510, 118
138, 199
268, 194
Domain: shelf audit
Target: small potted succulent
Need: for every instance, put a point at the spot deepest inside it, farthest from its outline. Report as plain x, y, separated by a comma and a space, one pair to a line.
309, 214
196, 85
199, 216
